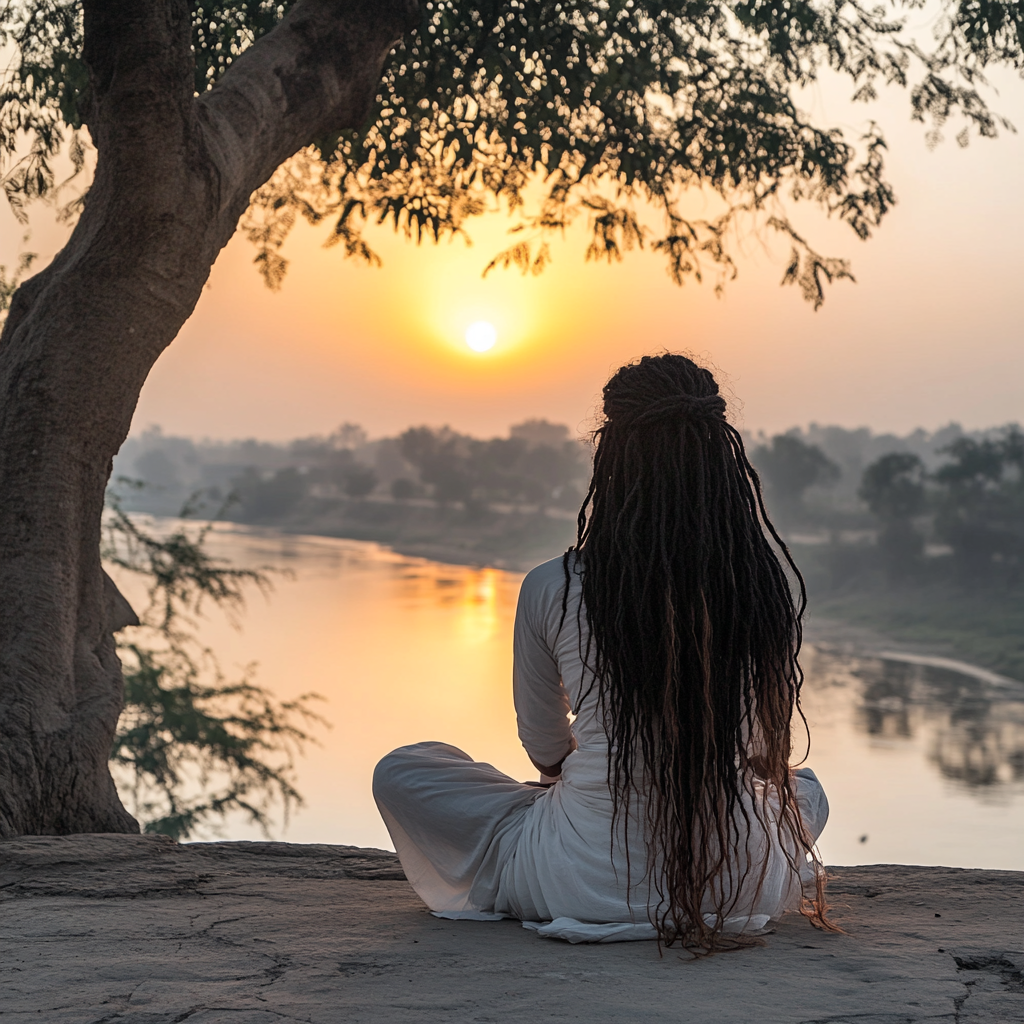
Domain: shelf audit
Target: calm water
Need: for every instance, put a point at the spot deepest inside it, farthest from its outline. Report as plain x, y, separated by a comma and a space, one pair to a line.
921, 764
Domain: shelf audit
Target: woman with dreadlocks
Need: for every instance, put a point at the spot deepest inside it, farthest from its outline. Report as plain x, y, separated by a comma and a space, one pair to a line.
655, 681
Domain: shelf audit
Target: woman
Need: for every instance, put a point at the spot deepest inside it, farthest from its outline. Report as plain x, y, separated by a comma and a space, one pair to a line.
655, 681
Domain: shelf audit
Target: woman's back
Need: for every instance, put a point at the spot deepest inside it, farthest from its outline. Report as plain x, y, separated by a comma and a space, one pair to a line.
567, 862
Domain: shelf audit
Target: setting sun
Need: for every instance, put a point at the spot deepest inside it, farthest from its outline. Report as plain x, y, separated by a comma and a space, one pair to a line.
481, 336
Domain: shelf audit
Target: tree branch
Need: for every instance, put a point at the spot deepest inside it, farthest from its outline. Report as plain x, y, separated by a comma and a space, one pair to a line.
316, 73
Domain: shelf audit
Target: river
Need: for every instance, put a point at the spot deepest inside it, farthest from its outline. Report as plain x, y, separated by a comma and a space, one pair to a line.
922, 764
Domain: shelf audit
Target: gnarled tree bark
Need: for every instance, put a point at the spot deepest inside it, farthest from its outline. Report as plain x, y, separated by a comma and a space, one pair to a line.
174, 174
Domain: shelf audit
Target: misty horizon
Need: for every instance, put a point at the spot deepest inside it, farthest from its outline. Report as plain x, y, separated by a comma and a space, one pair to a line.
952, 428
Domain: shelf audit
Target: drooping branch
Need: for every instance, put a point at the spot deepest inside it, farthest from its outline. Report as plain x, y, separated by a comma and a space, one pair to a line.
627, 100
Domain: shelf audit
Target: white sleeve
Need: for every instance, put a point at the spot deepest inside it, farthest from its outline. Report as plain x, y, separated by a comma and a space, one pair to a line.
542, 705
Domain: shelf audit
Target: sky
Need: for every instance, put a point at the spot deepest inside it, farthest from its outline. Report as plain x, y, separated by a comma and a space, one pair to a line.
930, 333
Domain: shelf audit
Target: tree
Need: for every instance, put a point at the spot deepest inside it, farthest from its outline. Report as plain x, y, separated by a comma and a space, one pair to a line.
540, 432
194, 106
359, 481
981, 506
265, 500
174, 174
893, 487
403, 489
441, 458
790, 466
192, 747
502, 469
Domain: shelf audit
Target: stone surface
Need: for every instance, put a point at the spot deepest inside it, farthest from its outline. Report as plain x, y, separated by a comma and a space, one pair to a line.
135, 929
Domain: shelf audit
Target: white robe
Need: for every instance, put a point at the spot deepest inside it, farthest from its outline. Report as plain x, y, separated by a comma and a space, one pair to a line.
476, 843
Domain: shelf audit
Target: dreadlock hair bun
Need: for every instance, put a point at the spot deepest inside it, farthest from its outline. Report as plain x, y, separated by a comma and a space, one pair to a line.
691, 638
662, 387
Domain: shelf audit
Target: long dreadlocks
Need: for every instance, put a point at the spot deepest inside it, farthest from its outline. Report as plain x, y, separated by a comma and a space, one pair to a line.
692, 640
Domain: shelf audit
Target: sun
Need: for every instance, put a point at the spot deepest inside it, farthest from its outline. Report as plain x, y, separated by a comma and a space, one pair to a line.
481, 336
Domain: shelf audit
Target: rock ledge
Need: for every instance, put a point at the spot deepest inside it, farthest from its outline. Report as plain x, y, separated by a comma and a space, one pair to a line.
137, 929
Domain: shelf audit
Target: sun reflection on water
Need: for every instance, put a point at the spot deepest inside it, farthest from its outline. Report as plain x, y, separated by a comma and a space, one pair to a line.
478, 618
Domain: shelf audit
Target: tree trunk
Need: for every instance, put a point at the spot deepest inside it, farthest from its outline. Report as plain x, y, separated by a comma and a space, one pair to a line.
174, 174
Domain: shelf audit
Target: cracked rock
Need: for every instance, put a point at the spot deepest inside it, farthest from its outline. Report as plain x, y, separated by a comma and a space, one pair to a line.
140, 930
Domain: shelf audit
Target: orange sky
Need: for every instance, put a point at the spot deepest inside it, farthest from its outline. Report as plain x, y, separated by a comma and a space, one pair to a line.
930, 333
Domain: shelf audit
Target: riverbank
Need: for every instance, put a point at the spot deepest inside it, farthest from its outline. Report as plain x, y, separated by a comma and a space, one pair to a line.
984, 629
514, 538
136, 929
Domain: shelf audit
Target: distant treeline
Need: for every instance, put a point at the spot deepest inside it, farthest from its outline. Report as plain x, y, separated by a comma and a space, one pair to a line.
537, 465
948, 503
947, 506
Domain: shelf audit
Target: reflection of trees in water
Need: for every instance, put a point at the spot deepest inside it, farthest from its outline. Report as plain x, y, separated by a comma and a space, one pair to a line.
971, 731
980, 753
887, 698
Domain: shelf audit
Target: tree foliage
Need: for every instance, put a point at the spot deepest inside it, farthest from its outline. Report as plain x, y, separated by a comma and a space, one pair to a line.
980, 506
542, 470
973, 503
192, 747
620, 108
790, 466
893, 487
